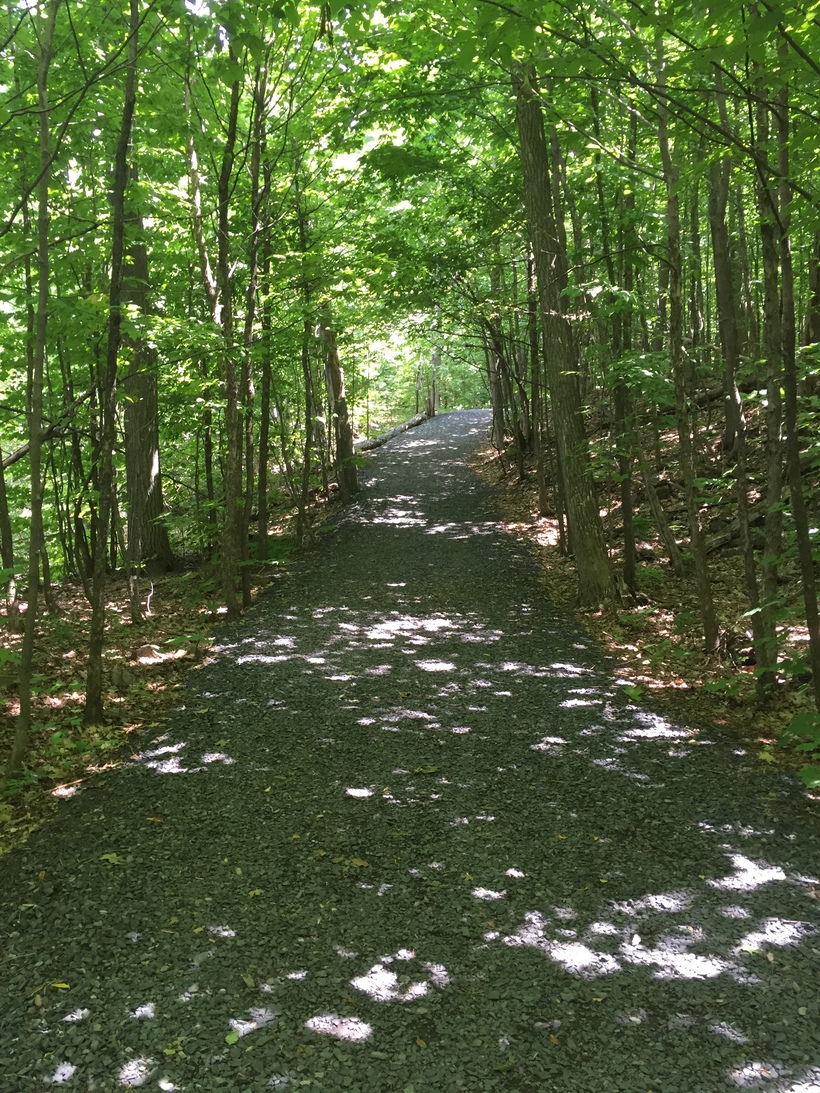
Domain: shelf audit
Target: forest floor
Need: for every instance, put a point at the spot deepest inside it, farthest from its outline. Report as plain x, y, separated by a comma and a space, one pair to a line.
657, 641
145, 666
409, 829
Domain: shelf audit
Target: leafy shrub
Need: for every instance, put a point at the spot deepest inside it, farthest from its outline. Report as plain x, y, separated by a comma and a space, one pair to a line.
803, 734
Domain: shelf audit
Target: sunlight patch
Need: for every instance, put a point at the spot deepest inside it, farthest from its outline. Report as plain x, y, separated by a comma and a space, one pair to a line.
136, 1072
383, 986
748, 875
675, 965
514, 873
775, 931
257, 658
222, 931
729, 1033
753, 1074
296, 975
488, 893
64, 791
435, 665
358, 793
550, 745
665, 901
343, 1028
77, 1016
64, 1073
577, 958
144, 1012
259, 1018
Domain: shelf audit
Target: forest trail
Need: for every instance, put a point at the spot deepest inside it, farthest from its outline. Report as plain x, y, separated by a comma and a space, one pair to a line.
408, 833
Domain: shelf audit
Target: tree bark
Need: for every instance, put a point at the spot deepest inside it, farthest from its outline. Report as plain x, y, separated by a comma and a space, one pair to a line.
346, 473
147, 537
230, 546
560, 352
680, 367
789, 333
769, 213
34, 400
94, 711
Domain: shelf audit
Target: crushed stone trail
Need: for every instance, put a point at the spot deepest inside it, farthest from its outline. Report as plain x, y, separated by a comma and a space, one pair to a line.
407, 832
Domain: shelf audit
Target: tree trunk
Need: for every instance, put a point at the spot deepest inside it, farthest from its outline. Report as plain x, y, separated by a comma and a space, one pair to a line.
346, 473
769, 213
34, 401
680, 367
734, 437
560, 353
789, 332
230, 546
93, 712
147, 536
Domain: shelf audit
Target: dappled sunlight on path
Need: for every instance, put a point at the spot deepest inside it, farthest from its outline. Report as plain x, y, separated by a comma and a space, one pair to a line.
409, 832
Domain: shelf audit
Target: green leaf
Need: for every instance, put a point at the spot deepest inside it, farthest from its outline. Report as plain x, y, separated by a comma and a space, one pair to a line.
232, 1037
810, 776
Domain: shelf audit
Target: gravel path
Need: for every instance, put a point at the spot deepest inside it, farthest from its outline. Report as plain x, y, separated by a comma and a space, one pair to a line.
407, 833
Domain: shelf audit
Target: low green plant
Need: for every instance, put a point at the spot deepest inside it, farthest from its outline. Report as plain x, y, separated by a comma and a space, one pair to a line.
732, 687
648, 575
803, 734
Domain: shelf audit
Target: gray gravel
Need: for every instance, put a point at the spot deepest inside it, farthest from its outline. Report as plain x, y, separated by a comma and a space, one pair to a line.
407, 832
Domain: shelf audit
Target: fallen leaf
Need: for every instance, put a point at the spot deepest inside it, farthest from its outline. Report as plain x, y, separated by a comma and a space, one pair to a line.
155, 819
232, 1037
358, 861
554, 1039
420, 1042
60, 986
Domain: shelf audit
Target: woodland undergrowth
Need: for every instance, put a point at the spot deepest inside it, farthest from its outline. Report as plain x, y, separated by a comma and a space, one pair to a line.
146, 665
656, 641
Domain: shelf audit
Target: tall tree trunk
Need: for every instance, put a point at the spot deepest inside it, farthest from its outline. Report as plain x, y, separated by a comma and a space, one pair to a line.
246, 382
789, 332
147, 536
767, 197
734, 437
560, 353
262, 502
34, 399
680, 368
230, 546
346, 473
7, 550
93, 712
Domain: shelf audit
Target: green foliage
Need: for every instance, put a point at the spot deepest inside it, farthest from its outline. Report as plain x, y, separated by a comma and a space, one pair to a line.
803, 735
